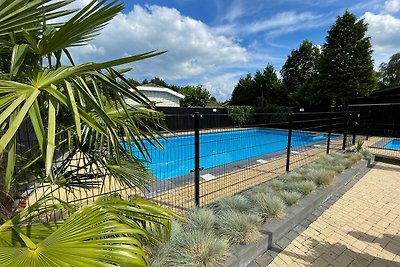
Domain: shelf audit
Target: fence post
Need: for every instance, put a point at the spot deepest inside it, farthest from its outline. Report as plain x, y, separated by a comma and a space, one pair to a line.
368, 113
355, 126
289, 143
197, 158
329, 133
346, 131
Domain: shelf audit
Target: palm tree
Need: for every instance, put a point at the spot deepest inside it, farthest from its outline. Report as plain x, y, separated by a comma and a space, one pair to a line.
78, 114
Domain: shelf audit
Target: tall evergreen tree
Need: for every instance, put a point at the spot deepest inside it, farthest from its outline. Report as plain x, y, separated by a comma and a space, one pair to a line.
300, 66
265, 88
244, 94
346, 66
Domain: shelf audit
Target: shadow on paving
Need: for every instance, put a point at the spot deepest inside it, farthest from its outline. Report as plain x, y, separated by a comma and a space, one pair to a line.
321, 254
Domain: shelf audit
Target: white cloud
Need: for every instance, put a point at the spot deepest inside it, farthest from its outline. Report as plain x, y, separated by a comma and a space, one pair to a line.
221, 86
192, 48
280, 24
392, 6
383, 29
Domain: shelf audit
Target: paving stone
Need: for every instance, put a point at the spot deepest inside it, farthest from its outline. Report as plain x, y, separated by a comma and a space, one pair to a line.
360, 226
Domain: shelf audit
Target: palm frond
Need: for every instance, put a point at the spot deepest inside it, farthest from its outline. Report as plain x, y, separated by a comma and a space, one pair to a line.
107, 233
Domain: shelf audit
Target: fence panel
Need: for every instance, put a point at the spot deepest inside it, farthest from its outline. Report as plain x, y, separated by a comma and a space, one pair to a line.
379, 125
234, 153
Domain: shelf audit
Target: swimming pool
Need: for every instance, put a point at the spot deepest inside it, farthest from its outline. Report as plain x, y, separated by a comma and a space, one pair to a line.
394, 144
219, 148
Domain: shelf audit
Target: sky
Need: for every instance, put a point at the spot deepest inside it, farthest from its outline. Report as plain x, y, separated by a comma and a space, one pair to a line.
216, 42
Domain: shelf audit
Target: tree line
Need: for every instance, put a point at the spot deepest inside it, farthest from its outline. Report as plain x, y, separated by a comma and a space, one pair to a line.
312, 76
324, 76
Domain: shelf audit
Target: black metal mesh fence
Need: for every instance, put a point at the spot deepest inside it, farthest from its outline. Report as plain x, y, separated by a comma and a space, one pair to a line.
234, 153
379, 125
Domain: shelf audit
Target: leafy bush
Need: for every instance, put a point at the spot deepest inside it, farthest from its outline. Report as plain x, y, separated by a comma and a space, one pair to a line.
239, 227
240, 114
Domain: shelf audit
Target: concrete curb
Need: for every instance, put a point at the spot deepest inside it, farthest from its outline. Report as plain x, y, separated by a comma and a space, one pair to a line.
243, 255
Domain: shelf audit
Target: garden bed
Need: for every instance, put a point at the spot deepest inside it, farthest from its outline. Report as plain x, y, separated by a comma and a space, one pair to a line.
237, 229
242, 255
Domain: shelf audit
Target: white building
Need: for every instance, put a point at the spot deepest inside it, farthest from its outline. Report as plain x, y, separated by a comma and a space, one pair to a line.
161, 96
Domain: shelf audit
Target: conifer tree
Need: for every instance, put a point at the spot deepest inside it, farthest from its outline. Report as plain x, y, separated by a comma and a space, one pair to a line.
346, 66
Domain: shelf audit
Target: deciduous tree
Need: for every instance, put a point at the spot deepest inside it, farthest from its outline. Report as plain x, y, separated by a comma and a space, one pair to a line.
390, 72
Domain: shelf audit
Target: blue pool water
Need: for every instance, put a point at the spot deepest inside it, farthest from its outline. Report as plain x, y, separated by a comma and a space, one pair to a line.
394, 144
220, 148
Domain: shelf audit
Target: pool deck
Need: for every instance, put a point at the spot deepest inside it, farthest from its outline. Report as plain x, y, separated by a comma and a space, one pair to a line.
359, 226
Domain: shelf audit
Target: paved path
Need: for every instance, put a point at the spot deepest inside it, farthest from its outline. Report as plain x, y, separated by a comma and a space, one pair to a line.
359, 228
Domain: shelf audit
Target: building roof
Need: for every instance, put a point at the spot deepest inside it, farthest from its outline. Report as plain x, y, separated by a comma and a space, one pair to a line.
156, 88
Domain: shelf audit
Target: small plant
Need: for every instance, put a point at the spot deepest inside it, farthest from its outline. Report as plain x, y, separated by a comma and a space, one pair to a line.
197, 248
290, 198
366, 154
262, 189
302, 187
239, 228
237, 203
359, 146
293, 176
321, 177
160, 256
268, 206
277, 185
201, 220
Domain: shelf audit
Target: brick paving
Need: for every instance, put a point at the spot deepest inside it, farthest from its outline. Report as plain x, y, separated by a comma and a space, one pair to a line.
357, 227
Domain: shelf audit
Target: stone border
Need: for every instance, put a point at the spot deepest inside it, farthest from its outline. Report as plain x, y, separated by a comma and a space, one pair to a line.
243, 255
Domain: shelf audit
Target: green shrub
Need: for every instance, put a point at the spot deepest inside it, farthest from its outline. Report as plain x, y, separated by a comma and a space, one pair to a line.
276, 185
321, 177
202, 219
262, 189
290, 198
239, 227
268, 206
197, 248
240, 114
302, 187
292, 176
161, 255
365, 153
237, 203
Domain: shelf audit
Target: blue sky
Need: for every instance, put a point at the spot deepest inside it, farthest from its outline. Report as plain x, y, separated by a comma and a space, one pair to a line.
215, 42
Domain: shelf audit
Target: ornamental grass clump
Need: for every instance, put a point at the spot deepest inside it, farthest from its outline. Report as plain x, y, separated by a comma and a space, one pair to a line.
292, 176
201, 220
239, 228
237, 203
197, 248
290, 198
302, 187
161, 255
321, 177
268, 206
277, 185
